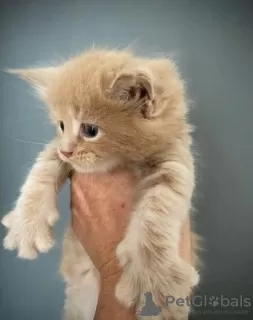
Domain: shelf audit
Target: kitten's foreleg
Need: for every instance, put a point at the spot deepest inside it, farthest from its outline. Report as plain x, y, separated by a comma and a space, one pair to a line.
35, 213
150, 251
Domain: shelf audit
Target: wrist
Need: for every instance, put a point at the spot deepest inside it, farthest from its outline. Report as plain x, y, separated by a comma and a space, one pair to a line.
107, 304
108, 307
110, 269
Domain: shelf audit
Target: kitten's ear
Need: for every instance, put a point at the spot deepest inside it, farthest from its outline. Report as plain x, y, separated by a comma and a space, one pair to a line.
39, 78
135, 87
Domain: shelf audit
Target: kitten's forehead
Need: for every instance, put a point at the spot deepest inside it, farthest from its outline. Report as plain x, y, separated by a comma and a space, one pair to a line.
73, 88
78, 97
86, 78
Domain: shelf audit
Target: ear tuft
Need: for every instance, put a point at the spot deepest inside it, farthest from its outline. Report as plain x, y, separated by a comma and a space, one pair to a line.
39, 78
134, 87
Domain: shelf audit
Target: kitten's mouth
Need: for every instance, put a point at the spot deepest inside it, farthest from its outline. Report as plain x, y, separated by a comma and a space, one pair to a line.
80, 167
89, 164
66, 154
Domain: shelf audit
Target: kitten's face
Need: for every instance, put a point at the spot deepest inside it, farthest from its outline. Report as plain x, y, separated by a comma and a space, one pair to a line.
110, 108
93, 140
97, 133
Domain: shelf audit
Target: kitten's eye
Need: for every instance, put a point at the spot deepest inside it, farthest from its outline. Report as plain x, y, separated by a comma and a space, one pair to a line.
61, 124
89, 130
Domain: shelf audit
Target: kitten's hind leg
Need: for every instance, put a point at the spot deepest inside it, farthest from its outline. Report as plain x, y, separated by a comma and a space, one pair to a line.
82, 280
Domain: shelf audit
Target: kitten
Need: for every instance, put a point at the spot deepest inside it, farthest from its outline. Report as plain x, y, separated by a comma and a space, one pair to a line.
113, 109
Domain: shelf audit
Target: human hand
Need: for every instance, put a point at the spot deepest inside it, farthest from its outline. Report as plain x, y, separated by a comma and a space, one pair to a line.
101, 207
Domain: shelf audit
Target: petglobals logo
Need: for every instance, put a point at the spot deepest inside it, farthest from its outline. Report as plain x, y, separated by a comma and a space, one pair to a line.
221, 301
198, 303
149, 308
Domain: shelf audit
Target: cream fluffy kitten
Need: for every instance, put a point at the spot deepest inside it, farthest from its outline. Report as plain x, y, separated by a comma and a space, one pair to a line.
113, 109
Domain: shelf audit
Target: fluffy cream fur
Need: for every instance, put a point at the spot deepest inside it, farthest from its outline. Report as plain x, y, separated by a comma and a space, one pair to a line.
139, 106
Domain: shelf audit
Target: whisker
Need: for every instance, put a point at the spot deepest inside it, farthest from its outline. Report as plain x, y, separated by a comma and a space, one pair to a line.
30, 142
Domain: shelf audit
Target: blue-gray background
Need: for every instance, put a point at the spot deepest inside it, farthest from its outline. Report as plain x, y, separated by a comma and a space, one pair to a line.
212, 41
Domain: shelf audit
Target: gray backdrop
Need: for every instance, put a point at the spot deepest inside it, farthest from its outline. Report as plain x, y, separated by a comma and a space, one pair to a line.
212, 42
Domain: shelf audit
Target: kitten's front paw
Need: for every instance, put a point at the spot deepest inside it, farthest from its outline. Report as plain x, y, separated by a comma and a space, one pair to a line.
127, 288
176, 280
29, 232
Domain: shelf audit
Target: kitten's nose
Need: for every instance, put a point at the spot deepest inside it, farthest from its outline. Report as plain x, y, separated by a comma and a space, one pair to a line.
67, 154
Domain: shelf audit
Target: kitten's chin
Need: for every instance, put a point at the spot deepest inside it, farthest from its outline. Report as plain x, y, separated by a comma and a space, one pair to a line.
98, 167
